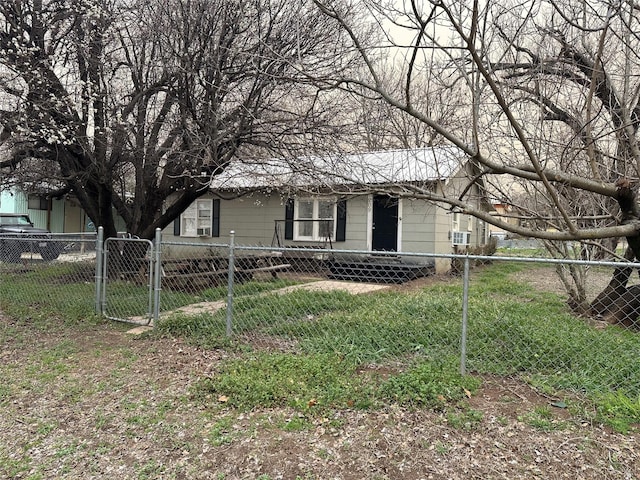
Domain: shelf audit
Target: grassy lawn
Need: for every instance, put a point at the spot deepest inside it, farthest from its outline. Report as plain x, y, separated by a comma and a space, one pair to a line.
311, 384
320, 351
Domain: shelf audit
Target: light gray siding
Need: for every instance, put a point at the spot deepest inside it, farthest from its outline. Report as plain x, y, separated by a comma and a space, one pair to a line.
252, 218
356, 229
254, 221
418, 229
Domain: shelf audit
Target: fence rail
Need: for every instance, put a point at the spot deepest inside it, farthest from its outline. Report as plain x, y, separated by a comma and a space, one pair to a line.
376, 308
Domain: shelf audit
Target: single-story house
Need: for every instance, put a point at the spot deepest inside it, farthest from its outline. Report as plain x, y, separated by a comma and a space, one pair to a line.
371, 201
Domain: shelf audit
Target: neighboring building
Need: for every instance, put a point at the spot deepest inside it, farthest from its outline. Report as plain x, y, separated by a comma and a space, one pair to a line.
502, 211
338, 204
56, 215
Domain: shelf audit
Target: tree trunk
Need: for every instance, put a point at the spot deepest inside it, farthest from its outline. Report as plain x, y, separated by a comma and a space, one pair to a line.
623, 309
130, 256
617, 303
607, 301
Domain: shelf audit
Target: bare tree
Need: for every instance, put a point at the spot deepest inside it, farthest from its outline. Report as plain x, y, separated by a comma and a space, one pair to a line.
133, 105
551, 95
381, 126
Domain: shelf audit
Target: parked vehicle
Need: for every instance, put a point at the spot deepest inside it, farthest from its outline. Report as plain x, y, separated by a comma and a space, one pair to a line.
18, 235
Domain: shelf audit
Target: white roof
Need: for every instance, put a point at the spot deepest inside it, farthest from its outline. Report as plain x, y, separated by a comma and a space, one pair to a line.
371, 168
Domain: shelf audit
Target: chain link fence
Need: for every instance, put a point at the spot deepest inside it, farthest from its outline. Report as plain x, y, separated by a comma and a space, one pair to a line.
494, 315
48, 274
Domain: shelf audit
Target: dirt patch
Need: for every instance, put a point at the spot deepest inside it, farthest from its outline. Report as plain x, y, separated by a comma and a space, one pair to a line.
333, 285
99, 403
214, 306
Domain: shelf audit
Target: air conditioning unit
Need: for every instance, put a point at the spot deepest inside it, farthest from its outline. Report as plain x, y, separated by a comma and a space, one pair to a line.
460, 238
204, 232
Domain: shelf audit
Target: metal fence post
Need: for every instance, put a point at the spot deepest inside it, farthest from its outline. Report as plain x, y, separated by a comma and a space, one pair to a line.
105, 273
465, 310
157, 275
230, 282
99, 258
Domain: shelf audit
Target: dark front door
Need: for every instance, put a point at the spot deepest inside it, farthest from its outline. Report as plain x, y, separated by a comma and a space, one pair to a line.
385, 223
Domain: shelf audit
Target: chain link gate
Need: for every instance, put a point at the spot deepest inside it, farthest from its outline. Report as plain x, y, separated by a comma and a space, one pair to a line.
128, 280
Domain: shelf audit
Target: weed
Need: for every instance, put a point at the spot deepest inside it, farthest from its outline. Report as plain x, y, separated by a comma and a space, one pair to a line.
323, 453
307, 476
430, 384
441, 448
149, 470
308, 383
220, 432
66, 450
466, 419
5, 392
619, 410
542, 418
296, 423
14, 467
45, 429
101, 420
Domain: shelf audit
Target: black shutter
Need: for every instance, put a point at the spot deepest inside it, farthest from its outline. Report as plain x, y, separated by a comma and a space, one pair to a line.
341, 224
176, 227
288, 220
215, 227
